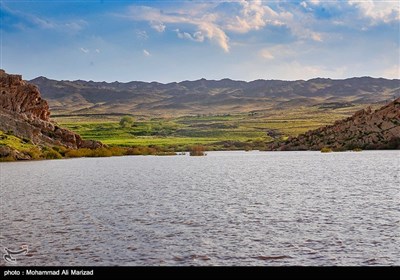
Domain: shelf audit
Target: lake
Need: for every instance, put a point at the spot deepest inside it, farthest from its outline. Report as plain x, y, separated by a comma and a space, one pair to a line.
227, 208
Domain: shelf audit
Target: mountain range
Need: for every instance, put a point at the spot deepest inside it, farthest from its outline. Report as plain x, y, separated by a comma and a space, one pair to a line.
211, 96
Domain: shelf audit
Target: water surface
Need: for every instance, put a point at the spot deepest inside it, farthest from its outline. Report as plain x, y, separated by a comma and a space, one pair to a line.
228, 208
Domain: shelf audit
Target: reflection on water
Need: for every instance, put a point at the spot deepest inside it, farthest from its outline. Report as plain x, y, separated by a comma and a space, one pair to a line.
228, 208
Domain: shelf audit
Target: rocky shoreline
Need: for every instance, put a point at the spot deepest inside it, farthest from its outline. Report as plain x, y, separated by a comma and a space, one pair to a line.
366, 129
24, 114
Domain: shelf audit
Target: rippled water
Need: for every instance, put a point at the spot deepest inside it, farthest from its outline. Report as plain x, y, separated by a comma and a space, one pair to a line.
228, 208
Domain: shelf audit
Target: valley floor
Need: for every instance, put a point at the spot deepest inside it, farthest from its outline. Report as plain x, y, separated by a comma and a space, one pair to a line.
218, 132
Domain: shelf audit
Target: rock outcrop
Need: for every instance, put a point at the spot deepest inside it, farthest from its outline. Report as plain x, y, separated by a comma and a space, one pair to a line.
26, 115
366, 129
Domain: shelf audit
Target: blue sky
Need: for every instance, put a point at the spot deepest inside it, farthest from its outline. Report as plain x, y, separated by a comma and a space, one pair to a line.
169, 41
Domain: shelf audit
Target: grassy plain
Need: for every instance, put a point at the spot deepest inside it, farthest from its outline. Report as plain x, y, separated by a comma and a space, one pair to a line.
217, 132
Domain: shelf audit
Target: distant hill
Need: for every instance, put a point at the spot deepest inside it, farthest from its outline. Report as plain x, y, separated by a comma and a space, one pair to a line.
210, 96
366, 129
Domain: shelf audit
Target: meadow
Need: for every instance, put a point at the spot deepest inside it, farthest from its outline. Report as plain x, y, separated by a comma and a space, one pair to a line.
217, 132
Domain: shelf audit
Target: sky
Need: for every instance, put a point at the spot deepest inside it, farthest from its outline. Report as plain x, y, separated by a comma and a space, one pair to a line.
172, 41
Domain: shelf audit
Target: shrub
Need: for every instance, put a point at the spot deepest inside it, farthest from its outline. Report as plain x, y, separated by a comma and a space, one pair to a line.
84, 152
326, 150
357, 150
7, 159
197, 150
52, 155
118, 151
101, 152
126, 121
143, 151
133, 151
34, 153
166, 154
151, 151
60, 149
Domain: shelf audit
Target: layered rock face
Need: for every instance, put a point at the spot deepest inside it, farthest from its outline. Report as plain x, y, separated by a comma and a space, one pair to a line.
21, 97
24, 113
365, 129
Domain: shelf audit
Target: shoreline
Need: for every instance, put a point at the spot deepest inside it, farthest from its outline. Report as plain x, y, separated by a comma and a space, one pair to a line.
187, 153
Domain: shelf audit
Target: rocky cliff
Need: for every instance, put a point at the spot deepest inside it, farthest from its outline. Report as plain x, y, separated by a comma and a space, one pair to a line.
25, 114
366, 129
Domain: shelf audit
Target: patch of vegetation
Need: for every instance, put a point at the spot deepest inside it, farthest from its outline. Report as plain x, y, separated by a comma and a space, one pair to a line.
326, 150
28, 149
334, 105
216, 132
7, 159
9, 140
52, 155
197, 151
141, 135
118, 151
84, 152
126, 121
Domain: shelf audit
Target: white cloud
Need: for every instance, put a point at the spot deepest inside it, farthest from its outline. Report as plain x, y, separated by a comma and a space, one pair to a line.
74, 26
217, 21
42, 23
378, 11
84, 50
204, 23
281, 52
27, 20
206, 31
215, 34
303, 71
142, 35
392, 72
250, 15
316, 36
158, 26
211, 21
314, 2
265, 53
304, 32
146, 53
196, 36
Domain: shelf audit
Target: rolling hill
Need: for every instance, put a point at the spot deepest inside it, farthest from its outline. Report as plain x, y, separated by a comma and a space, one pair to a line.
211, 96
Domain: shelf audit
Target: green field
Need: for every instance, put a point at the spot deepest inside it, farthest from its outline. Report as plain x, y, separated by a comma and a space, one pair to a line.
236, 131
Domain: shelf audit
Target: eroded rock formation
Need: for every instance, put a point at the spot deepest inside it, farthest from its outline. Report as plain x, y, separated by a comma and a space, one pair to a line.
25, 114
366, 129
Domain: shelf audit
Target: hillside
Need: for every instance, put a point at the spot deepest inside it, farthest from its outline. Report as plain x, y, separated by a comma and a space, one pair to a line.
209, 96
25, 121
366, 129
